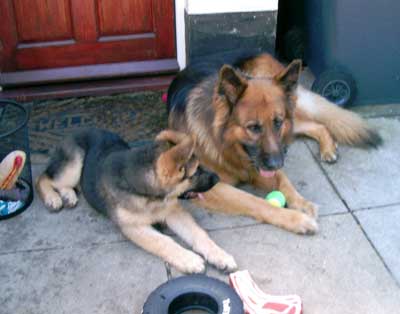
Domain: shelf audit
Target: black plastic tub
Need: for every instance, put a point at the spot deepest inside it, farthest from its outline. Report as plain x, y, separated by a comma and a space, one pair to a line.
353, 49
14, 135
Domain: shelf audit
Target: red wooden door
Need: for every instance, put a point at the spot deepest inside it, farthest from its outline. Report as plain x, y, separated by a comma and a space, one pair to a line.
48, 34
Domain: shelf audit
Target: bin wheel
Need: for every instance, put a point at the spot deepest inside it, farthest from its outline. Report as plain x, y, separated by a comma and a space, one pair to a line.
336, 86
193, 292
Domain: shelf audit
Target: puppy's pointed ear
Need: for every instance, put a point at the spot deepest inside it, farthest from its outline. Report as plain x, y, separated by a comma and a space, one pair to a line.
171, 161
181, 146
231, 84
288, 78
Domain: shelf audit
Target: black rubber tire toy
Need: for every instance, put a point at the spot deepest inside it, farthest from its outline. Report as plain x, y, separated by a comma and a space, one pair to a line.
193, 292
336, 86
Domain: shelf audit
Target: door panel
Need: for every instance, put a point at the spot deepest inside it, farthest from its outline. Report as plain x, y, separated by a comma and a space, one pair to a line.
133, 17
42, 20
42, 34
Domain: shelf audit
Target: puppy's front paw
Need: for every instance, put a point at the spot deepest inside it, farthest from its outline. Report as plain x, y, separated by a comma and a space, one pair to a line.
53, 202
222, 260
69, 197
189, 262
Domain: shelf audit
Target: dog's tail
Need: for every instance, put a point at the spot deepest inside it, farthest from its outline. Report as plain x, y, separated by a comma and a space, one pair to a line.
345, 126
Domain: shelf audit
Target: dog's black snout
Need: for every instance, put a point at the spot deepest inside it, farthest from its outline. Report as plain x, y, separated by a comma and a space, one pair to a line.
211, 177
204, 179
273, 161
199, 171
214, 179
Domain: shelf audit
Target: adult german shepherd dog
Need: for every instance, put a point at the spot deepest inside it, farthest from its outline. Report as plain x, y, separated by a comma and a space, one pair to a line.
137, 187
243, 113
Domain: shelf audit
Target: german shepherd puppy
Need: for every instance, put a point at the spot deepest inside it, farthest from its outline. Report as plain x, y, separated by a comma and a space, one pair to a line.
137, 187
243, 115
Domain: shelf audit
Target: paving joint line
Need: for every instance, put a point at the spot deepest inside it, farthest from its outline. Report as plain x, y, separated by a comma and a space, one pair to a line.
333, 214
327, 177
377, 207
375, 249
59, 248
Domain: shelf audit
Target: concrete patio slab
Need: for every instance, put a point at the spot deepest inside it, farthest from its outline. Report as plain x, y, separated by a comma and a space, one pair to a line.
76, 261
336, 271
369, 178
110, 278
310, 181
382, 226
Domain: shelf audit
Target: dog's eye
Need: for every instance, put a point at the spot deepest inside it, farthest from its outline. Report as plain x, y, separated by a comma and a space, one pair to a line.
255, 128
278, 123
182, 170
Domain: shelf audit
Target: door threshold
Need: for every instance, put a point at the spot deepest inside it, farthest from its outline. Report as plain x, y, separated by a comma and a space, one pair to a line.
88, 88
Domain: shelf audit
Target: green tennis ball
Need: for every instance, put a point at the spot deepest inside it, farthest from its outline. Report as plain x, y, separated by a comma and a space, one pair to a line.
276, 198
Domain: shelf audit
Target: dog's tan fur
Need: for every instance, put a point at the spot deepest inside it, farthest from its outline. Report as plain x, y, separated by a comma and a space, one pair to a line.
261, 90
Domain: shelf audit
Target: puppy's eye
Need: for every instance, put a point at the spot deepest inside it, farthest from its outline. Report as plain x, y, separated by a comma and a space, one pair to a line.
255, 128
278, 123
182, 170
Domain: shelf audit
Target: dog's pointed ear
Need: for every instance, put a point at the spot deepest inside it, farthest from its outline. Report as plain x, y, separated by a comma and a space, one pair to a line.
288, 78
181, 147
231, 84
170, 163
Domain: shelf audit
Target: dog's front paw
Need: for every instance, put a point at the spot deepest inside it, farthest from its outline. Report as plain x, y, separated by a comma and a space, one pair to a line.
53, 202
222, 260
305, 206
69, 197
329, 154
329, 157
302, 224
189, 262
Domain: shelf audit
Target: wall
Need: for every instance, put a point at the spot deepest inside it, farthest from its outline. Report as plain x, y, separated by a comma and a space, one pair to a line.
197, 7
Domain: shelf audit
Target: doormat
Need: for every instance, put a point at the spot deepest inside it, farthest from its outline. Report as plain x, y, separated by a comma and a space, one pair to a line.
137, 116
